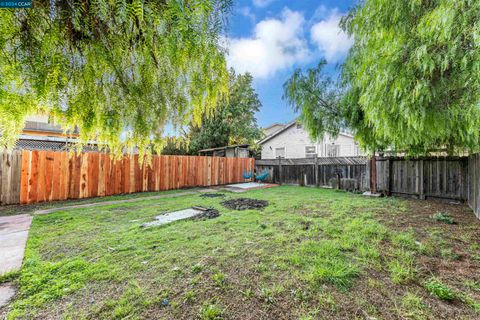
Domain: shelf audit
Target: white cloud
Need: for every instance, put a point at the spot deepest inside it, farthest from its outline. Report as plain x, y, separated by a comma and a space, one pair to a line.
275, 44
330, 38
262, 3
247, 12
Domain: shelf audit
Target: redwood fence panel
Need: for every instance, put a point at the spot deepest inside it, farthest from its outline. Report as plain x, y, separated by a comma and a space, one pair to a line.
39, 176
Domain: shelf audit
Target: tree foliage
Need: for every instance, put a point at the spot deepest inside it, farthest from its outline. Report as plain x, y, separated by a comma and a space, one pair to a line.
118, 70
413, 74
233, 121
317, 97
411, 81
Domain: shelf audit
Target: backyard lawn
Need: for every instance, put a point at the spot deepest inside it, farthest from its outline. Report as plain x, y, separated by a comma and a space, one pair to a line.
310, 254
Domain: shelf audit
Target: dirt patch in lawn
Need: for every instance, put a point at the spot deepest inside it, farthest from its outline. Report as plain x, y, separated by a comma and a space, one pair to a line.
449, 251
207, 213
212, 195
245, 204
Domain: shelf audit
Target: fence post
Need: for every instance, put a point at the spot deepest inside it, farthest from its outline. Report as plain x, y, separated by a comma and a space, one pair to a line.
421, 183
279, 170
389, 176
373, 174
316, 170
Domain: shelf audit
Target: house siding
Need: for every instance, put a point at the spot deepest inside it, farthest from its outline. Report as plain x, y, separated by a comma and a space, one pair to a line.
295, 139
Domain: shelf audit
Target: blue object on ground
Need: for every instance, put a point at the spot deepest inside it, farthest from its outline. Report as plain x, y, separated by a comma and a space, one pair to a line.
247, 175
262, 176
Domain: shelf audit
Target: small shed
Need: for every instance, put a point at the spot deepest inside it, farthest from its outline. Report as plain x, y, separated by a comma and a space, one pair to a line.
234, 151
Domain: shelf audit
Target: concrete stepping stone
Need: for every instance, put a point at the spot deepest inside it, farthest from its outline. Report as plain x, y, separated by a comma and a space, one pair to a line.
13, 238
7, 291
173, 216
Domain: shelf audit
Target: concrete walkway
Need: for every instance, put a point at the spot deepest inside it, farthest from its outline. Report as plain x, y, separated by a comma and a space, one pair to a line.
13, 238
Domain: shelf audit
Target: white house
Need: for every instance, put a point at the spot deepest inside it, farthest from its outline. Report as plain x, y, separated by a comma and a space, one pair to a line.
292, 141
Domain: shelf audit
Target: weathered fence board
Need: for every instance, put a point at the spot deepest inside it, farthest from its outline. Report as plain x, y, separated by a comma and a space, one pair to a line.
442, 177
39, 176
473, 190
10, 171
314, 171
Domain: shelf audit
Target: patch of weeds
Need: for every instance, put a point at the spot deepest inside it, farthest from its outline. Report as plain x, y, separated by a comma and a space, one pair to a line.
9, 276
129, 305
405, 240
370, 255
443, 217
325, 262
327, 301
195, 280
210, 311
197, 268
413, 306
436, 288
448, 253
402, 268
338, 272
306, 317
369, 309
475, 251
42, 282
470, 302
310, 315
434, 243
190, 296
248, 293
472, 285
262, 267
267, 295
300, 295
219, 279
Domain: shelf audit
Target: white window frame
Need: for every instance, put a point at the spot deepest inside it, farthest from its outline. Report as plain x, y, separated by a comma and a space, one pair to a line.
335, 146
310, 154
284, 152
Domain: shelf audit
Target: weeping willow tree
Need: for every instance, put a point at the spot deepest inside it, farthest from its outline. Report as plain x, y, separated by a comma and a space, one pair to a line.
118, 70
411, 81
413, 74
317, 97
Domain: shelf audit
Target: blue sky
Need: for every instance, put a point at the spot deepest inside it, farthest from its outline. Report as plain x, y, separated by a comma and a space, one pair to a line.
270, 38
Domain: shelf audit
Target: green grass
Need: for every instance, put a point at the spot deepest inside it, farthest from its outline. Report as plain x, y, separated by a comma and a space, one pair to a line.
309, 252
439, 290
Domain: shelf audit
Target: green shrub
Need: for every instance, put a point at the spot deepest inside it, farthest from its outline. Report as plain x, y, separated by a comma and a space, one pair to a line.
442, 217
436, 288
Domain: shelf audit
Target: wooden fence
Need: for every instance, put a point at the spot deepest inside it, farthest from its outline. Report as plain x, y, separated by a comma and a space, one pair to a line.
39, 176
315, 171
432, 177
473, 190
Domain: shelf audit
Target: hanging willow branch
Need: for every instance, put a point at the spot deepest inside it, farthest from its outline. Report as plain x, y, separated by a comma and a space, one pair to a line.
118, 70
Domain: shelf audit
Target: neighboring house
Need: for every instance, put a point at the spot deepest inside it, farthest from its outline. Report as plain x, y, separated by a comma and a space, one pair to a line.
271, 129
234, 151
292, 141
40, 133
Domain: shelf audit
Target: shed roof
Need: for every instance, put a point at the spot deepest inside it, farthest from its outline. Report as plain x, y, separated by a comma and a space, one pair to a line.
225, 147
